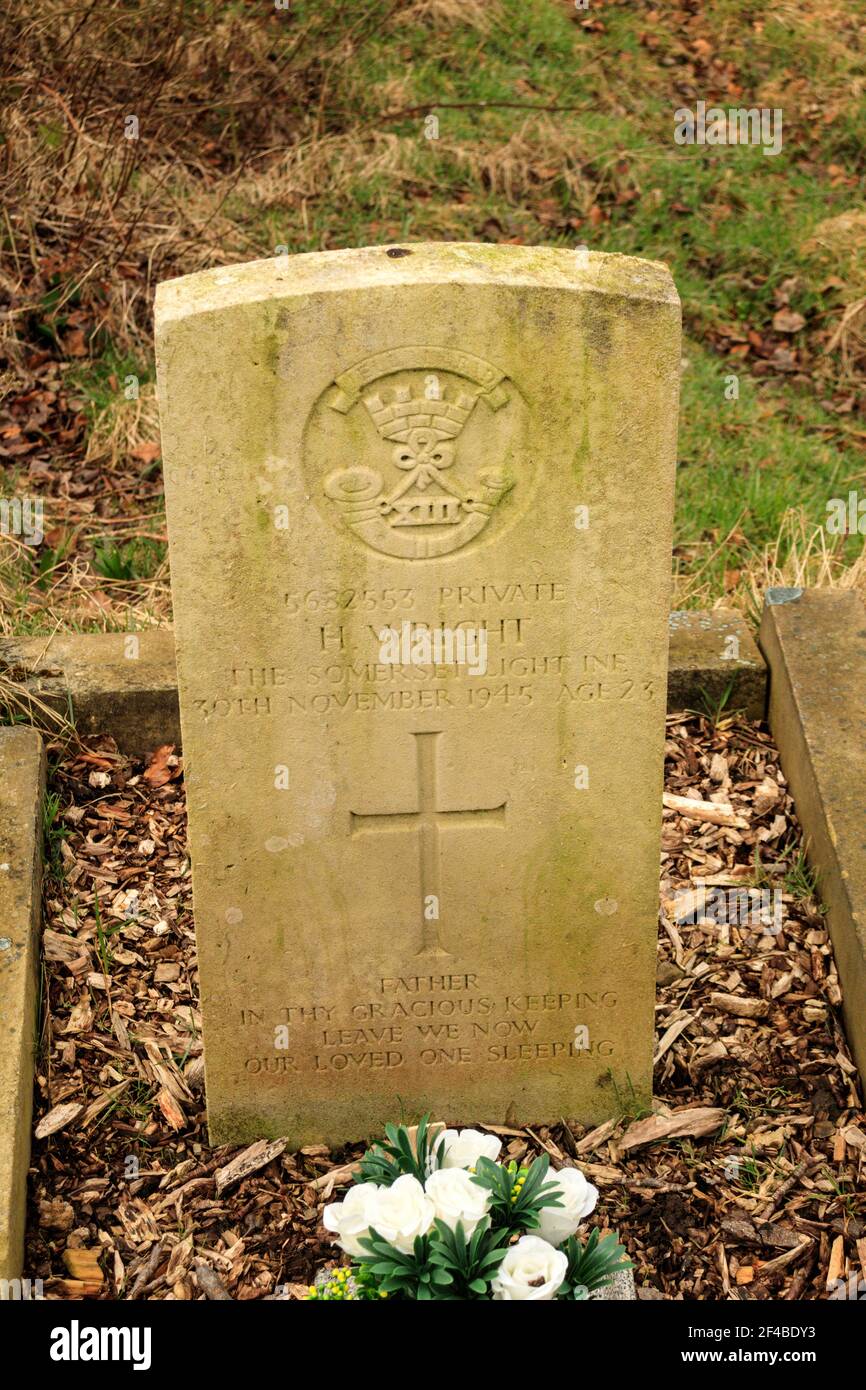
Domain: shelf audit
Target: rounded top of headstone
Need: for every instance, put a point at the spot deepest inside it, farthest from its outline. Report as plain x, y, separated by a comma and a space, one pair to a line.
283, 276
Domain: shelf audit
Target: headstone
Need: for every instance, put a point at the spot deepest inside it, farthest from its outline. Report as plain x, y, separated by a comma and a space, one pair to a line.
420, 509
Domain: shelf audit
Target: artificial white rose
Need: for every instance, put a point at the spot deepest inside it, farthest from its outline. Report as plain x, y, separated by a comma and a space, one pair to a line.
464, 1147
578, 1197
531, 1270
457, 1198
350, 1219
401, 1212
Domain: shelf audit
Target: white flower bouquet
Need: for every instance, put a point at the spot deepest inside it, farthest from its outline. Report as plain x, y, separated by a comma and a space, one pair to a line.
436, 1215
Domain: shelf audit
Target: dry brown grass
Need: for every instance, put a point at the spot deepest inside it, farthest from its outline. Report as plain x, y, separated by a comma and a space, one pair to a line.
19, 705
477, 14
537, 155
803, 555
837, 248
125, 425
70, 596
112, 215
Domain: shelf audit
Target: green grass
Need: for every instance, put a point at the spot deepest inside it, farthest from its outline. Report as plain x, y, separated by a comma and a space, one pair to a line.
135, 560
54, 832
104, 380
627, 1103
103, 938
800, 879
749, 1173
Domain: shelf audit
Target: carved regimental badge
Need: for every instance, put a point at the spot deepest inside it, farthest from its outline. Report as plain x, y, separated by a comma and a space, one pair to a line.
413, 491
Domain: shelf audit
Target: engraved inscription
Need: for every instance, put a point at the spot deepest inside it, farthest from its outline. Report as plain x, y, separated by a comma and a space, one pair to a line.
440, 1020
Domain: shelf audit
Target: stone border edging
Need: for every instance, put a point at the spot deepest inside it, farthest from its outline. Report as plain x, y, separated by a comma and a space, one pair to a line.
814, 642
22, 784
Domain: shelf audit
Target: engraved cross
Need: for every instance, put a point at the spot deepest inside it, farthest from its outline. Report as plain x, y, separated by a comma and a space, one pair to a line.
427, 821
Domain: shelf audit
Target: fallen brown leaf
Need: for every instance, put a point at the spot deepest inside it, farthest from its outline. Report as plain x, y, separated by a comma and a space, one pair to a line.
157, 773
788, 321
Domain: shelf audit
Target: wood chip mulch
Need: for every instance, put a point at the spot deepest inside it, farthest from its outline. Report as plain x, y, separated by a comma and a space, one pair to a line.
748, 1181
